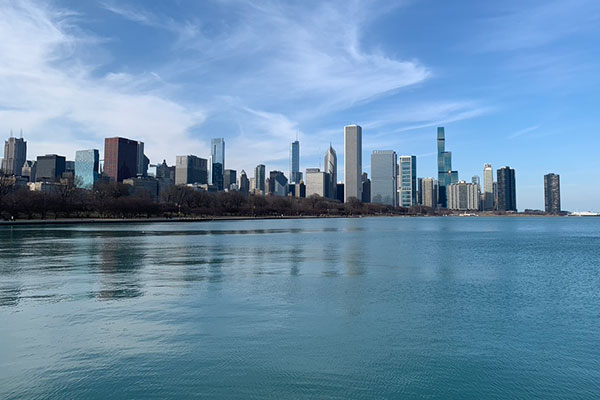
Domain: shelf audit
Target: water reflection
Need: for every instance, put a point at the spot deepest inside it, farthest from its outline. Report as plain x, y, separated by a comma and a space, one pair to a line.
122, 260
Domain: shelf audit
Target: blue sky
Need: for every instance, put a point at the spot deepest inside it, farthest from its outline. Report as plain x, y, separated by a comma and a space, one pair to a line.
514, 82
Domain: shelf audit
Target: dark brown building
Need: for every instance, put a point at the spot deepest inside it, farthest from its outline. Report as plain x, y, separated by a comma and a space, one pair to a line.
552, 193
120, 158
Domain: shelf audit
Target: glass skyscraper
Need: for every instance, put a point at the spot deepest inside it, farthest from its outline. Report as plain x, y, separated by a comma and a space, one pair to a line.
445, 174
295, 176
507, 197
407, 181
217, 154
384, 177
87, 164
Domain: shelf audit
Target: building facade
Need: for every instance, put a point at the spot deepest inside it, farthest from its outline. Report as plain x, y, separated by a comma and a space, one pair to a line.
552, 193
15, 155
352, 162
87, 166
407, 181
316, 182
244, 183
446, 175
331, 171
384, 177
295, 175
464, 196
217, 162
507, 196
230, 179
49, 168
260, 178
489, 198
278, 183
120, 158
429, 192
191, 169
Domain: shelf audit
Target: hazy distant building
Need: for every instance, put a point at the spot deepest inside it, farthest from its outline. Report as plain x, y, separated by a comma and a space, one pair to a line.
446, 175
87, 166
331, 170
165, 172
191, 169
28, 170
260, 178
430, 191
463, 196
475, 179
316, 182
489, 199
352, 162
507, 197
420, 191
552, 193
49, 168
297, 190
15, 155
244, 183
384, 177
121, 158
295, 175
340, 192
143, 187
366, 188
407, 181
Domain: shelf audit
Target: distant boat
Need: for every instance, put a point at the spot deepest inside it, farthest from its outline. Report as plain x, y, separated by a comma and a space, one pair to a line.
585, 214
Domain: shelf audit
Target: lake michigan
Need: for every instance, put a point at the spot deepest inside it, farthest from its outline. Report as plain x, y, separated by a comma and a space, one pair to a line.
361, 308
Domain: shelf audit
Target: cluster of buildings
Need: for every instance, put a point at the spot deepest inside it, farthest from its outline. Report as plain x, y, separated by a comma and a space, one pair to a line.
393, 180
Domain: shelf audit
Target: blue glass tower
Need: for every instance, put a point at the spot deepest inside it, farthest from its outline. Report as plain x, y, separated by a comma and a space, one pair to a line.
86, 168
445, 174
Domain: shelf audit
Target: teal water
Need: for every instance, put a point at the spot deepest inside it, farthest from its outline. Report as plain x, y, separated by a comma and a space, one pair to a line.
336, 308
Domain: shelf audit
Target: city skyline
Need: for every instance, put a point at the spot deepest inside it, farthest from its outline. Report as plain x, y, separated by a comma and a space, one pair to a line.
75, 80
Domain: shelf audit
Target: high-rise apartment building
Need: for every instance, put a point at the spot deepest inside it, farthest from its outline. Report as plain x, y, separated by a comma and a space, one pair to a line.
445, 174
384, 177
352, 162
552, 193
331, 171
489, 198
121, 158
407, 181
191, 169
15, 155
507, 197
463, 196
260, 178
295, 175
429, 192
49, 168
87, 166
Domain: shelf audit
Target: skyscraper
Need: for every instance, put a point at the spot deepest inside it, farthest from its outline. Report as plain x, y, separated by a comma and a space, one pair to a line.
278, 183
15, 155
259, 178
384, 177
87, 165
217, 167
407, 181
49, 168
463, 196
244, 184
121, 158
229, 178
352, 162
552, 193
331, 171
190, 169
366, 188
316, 182
295, 176
507, 197
445, 174
488, 188
430, 192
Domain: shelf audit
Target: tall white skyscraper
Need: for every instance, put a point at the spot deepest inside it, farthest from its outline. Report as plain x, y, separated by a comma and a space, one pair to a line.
331, 170
384, 175
407, 181
488, 187
352, 162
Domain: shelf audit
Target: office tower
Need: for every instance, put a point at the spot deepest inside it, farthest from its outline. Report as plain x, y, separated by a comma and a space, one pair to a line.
366, 188
217, 154
229, 179
331, 170
352, 162
475, 179
15, 155
166, 172
340, 192
316, 182
120, 158
49, 168
430, 192
87, 165
259, 178
253, 185
142, 162
244, 184
277, 183
384, 178
445, 174
407, 181
463, 196
420, 191
295, 162
552, 193
191, 169
28, 170
507, 198
488, 188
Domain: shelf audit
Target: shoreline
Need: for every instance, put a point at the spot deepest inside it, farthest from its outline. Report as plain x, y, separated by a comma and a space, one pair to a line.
80, 221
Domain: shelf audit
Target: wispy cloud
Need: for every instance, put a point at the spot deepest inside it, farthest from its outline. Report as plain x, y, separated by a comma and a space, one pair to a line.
524, 131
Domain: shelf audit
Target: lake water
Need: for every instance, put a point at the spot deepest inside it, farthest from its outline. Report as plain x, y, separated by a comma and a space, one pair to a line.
324, 308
